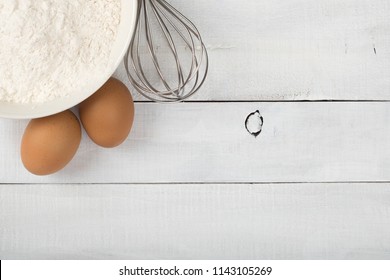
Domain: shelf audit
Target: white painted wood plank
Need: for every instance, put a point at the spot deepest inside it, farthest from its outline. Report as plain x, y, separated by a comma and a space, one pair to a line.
296, 221
293, 50
208, 142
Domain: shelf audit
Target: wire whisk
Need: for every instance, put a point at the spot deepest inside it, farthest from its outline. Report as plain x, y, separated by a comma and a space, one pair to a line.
167, 60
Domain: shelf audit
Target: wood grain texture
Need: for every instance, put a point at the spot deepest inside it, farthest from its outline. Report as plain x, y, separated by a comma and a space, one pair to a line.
274, 50
208, 142
293, 50
293, 221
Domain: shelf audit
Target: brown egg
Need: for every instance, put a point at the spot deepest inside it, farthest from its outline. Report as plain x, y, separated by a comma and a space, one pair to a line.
108, 115
50, 143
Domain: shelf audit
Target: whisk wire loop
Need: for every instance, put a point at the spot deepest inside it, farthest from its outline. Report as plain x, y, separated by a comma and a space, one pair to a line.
173, 49
191, 47
158, 18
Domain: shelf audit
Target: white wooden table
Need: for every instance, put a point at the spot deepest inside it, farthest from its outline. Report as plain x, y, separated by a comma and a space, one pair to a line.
192, 183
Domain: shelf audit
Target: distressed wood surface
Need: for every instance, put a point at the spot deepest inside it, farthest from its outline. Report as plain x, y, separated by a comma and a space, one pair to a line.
208, 142
293, 221
269, 50
293, 50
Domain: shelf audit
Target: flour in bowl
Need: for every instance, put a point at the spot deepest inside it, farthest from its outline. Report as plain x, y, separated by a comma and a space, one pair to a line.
50, 47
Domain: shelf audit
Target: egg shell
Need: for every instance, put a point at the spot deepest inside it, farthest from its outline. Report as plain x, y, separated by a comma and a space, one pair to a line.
108, 115
50, 143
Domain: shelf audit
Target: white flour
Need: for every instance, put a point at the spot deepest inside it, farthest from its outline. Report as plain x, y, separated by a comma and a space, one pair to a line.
50, 47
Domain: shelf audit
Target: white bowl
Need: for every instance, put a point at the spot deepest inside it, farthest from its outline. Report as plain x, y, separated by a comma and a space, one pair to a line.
121, 44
